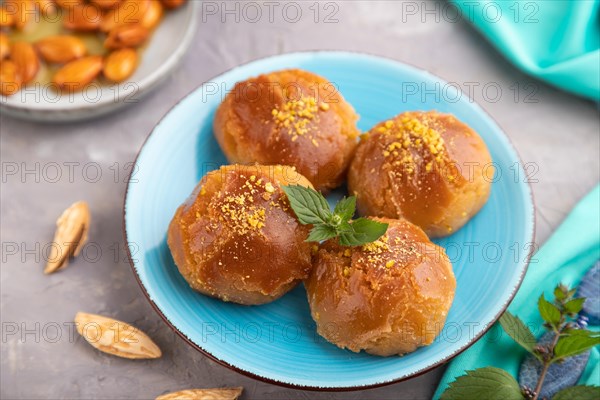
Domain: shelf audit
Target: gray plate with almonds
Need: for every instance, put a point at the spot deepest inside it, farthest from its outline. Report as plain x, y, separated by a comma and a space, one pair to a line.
77, 59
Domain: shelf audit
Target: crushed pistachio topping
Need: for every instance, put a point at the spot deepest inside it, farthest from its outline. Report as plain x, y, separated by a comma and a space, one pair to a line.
244, 211
412, 133
377, 247
314, 250
387, 254
296, 115
244, 216
375, 251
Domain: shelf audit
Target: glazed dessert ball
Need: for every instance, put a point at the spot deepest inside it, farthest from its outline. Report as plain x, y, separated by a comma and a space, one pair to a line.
426, 167
236, 237
289, 117
388, 297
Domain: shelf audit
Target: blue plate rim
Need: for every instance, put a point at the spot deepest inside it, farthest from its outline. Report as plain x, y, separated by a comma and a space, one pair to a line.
265, 379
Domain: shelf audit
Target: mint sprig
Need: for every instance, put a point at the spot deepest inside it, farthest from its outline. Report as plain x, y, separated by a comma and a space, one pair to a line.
312, 208
569, 340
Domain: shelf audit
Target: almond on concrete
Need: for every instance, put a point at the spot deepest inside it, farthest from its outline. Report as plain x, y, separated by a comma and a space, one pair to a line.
61, 48
10, 80
115, 337
77, 74
126, 36
83, 18
71, 234
24, 56
204, 394
106, 4
173, 3
128, 12
4, 46
6, 19
153, 15
120, 64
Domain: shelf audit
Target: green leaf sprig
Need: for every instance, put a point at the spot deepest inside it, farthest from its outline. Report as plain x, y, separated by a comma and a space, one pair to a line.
312, 208
494, 383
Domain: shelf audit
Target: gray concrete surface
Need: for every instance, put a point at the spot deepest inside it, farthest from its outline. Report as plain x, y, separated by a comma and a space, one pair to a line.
556, 132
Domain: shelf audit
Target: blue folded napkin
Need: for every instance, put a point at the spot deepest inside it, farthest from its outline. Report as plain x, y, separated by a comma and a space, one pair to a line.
557, 41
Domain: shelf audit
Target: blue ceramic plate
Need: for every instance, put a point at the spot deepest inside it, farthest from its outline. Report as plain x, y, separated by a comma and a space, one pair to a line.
277, 342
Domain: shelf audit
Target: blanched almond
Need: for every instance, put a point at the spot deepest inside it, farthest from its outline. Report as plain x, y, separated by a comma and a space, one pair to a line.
71, 235
83, 18
120, 64
77, 74
173, 3
126, 36
204, 394
6, 18
4, 46
106, 4
115, 337
61, 48
153, 15
128, 12
10, 80
26, 59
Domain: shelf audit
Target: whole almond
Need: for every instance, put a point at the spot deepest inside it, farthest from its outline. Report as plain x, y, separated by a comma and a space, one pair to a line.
115, 337
10, 80
204, 394
4, 46
24, 56
77, 74
71, 235
173, 3
120, 64
66, 4
126, 36
83, 18
153, 15
7, 19
106, 4
128, 12
22, 11
61, 48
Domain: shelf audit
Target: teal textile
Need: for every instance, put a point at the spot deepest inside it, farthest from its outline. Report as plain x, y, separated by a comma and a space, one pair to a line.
565, 257
557, 41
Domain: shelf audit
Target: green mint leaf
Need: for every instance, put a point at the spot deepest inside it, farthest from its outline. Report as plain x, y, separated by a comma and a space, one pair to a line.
572, 345
312, 208
549, 312
580, 392
309, 205
575, 305
560, 292
321, 232
484, 383
345, 208
361, 231
517, 330
580, 332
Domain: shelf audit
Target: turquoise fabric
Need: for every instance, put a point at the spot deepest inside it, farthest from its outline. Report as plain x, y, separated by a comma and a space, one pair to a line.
565, 257
557, 41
